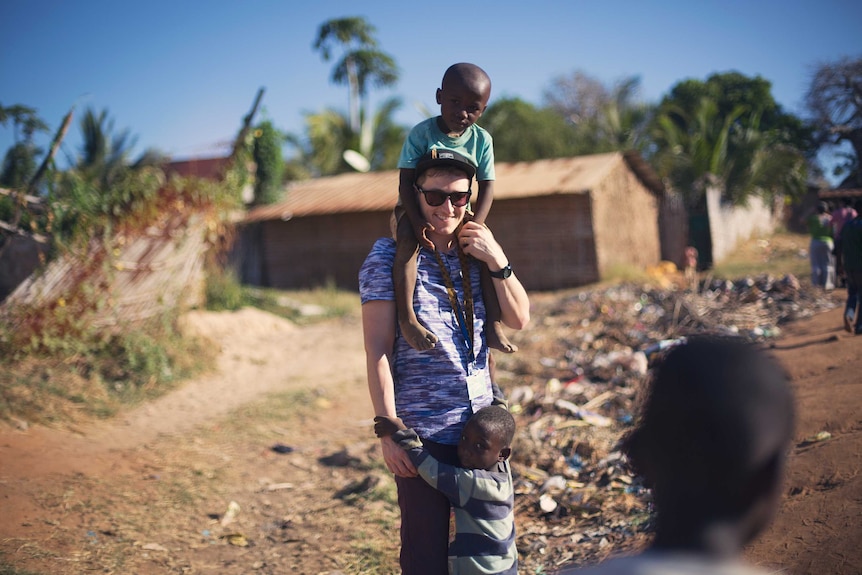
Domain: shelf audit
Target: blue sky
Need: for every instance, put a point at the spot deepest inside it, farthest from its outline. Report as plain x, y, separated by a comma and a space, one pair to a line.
182, 74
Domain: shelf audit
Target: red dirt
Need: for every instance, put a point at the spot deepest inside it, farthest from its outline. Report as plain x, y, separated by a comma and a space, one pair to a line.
113, 469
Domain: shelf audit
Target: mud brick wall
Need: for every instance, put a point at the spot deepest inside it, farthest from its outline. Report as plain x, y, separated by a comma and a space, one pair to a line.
549, 239
625, 220
313, 251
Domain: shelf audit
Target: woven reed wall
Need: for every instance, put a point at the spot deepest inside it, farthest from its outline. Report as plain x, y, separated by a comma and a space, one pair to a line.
149, 273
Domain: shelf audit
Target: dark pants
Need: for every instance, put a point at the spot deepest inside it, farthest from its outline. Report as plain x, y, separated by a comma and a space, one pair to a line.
854, 290
425, 519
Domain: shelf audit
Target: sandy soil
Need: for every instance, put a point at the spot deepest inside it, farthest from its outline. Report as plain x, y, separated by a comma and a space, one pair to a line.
115, 497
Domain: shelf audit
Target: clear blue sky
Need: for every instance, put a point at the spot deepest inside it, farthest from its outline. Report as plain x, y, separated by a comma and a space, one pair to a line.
182, 74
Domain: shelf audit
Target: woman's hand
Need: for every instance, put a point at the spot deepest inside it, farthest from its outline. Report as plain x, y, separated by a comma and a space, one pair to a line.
397, 459
477, 240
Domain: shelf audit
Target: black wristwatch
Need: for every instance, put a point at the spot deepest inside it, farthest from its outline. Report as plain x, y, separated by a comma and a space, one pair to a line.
503, 273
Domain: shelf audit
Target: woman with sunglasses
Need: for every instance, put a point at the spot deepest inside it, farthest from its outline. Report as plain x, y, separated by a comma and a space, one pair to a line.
435, 391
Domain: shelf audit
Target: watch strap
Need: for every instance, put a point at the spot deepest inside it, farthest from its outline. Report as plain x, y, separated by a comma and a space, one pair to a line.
503, 273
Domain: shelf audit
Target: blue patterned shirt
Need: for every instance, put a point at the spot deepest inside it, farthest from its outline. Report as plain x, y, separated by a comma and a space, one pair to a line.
431, 386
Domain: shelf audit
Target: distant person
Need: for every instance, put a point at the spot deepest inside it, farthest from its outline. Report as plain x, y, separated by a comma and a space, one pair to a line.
851, 253
480, 489
691, 268
711, 441
840, 216
820, 247
463, 96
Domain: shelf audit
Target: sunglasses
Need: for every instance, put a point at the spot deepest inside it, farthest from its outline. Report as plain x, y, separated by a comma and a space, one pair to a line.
438, 198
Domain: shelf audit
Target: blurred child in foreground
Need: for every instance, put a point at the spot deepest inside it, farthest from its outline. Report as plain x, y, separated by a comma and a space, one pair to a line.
712, 443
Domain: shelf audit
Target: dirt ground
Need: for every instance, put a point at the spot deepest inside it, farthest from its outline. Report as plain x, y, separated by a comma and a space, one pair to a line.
267, 465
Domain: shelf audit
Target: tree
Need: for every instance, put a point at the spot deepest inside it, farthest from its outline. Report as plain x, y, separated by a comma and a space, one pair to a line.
834, 100
523, 133
105, 154
19, 162
605, 118
270, 163
328, 134
729, 91
729, 130
361, 64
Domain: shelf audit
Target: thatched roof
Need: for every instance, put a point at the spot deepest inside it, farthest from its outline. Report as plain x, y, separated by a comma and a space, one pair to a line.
378, 191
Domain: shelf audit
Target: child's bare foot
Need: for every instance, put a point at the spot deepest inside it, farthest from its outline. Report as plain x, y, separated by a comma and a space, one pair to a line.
417, 336
497, 339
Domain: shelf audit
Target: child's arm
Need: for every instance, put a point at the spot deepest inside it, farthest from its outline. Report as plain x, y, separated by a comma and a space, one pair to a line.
456, 483
484, 198
385, 426
411, 207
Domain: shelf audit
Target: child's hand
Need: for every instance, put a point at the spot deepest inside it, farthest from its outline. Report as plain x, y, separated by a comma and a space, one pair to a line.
384, 426
421, 232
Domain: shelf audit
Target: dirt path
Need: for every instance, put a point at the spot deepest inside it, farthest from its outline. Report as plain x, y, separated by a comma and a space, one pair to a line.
92, 500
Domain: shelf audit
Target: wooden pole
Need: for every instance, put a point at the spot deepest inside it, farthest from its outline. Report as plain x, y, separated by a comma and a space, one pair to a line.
246, 124
55, 144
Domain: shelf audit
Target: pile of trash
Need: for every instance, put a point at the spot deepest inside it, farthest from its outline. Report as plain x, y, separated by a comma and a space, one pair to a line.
573, 388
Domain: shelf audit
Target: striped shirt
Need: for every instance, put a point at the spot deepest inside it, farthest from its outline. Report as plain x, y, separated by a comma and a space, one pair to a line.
431, 386
484, 516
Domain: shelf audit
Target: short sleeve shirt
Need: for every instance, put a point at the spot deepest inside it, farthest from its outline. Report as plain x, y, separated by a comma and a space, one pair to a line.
431, 386
475, 143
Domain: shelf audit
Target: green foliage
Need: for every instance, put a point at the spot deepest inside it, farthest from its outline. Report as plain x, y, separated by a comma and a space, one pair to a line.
19, 165
223, 290
69, 368
524, 133
729, 132
603, 118
269, 179
94, 366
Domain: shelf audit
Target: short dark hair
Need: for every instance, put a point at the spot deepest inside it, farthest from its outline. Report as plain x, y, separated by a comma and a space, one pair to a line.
467, 74
497, 422
715, 407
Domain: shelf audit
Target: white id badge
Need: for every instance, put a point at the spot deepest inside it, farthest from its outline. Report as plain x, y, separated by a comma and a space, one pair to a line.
476, 386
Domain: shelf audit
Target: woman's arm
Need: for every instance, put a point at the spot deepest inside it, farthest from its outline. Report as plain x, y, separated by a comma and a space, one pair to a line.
478, 241
378, 328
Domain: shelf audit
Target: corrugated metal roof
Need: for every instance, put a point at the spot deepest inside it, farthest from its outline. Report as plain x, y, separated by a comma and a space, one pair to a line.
378, 191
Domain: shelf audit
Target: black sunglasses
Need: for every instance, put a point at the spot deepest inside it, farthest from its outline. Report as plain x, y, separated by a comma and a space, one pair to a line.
438, 198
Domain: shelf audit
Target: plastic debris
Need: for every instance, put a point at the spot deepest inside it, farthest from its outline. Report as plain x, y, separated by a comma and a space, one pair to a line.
229, 516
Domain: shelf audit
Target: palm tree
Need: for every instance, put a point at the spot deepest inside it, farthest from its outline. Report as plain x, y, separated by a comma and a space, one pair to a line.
693, 147
604, 118
19, 162
704, 147
362, 64
328, 135
105, 154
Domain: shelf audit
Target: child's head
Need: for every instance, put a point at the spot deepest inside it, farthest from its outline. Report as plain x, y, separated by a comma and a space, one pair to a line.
463, 96
712, 438
486, 438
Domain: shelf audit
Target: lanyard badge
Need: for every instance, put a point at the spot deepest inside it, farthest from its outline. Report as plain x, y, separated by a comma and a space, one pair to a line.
476, 384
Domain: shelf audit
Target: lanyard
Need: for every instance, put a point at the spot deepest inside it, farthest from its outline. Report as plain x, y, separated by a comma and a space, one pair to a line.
465, 317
